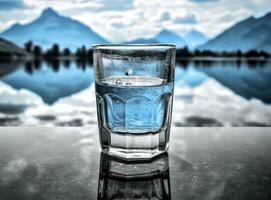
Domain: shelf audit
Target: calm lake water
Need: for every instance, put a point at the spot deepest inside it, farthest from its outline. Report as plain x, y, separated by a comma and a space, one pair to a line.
207, 93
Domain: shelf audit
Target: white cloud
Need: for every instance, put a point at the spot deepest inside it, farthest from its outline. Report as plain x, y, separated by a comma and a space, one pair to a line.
165, 16
188, 19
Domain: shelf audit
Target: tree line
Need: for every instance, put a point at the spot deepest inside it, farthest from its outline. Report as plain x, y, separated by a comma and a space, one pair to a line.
56, 52
87, 53
186, 53
55, 64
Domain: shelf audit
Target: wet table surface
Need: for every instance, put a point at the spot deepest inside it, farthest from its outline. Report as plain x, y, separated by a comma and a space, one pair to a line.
66, 163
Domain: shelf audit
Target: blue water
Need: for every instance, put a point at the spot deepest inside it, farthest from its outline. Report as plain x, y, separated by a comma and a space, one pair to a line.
59, 79
134, 105
50, 84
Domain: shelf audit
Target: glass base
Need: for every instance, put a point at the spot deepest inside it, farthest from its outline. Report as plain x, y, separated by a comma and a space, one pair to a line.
134, 146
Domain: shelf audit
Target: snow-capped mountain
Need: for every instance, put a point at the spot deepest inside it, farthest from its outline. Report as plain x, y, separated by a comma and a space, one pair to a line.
164, 36
49, 28
167, 36
143, 41
251, 33
195, 38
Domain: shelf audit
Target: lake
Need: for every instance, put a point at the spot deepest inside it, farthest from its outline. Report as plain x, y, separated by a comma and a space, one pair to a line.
208, 92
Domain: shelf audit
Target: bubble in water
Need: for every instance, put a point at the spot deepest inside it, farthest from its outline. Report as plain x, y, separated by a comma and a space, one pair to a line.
128, 72
118, 82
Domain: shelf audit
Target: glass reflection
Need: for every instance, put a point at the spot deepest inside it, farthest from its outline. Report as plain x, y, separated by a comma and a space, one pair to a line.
120, 179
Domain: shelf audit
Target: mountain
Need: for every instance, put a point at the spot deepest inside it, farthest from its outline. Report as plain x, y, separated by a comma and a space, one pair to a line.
195, 38
164, 36
7, 48
167, 36
143, 41
251, 33
49, 28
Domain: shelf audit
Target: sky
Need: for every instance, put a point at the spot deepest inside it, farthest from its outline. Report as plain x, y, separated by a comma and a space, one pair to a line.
124, 20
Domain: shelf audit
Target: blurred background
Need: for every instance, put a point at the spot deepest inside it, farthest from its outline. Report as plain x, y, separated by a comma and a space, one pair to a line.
223, 66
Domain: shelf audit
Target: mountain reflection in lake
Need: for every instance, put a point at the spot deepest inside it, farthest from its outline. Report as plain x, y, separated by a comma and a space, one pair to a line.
207, 93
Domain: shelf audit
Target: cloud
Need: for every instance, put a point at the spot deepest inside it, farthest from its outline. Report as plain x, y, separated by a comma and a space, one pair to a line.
118, 25
80, 1
165, 16
78, 7
82, 7
203, 1
11, 5
188, 19
115, 5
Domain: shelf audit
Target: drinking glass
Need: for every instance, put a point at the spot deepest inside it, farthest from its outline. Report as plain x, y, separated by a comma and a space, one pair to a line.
134, 91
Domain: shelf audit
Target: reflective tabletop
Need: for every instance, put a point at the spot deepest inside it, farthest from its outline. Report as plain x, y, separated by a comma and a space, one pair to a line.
202, 163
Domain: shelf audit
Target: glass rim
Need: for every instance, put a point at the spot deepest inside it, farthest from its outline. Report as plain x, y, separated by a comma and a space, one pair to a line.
134, 46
